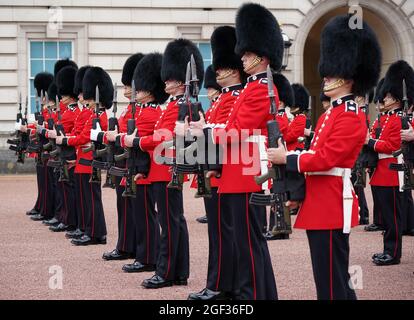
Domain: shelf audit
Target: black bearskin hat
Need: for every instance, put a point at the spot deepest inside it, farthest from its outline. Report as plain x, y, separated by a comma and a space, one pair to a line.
223, 41
284, 89
177, 54
60, 64
350, 54
147, 77
96, 76
129, 67
393, 82
77, 88
65, 81
52, 92
379, 95
42, 82
301, 95
258, 31
210, 79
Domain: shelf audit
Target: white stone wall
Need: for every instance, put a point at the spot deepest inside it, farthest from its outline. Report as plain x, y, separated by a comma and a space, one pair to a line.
106, 32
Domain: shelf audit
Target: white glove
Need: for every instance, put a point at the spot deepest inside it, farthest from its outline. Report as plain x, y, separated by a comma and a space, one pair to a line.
18, 125
95, 132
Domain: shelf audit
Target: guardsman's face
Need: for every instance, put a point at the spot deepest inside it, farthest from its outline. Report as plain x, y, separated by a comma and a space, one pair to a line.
142, 96
80, 98
390, 102
174, 87
127, 92
360, 100
90, 103
337, 87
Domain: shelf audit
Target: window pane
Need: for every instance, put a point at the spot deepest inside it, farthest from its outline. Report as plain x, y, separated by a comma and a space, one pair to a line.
36, 49
32, 105
36, 66
51, 50
65, 50
50, 65
32, 88
205, 50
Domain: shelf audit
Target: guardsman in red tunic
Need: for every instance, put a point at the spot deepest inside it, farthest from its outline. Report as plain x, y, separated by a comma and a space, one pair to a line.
330, 207
173, 265
95, 226
150, 94
125, 246
65, 80
286, 100
375, 132
388, 183
222, 282
260, 43
213, 92
296, 128
41, 83
82, 117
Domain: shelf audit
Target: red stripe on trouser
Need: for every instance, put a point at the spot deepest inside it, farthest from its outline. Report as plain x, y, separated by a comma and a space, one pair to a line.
219, 231
66, 203
330, 265
146, 218
169, 236
396, 227
250, 247
93, 213
125, 209
45, 191
81, 199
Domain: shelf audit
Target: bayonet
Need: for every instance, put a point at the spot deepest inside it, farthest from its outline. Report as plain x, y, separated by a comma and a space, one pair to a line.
194, 78
271, 91
97, 101
133, 98
114, 101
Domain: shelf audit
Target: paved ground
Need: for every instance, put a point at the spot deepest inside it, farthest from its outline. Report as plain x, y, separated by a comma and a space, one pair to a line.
28, 250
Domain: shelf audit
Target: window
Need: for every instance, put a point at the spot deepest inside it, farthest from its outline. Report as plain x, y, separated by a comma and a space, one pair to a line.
205, 49
42, 57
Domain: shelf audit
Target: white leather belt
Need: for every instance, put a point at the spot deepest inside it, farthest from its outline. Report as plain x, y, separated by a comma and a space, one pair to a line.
264, 169
347, 197
400, 160
384, 156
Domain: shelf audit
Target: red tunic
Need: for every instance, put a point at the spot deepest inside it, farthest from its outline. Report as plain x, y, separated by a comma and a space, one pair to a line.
339, 137
283, 122
163, 131
145, 120
83, 126
248, 116
218, 114
295, 130
124, 117
388, 142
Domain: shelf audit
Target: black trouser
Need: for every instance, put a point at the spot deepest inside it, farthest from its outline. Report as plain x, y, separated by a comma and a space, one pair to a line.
330, 263
48, 203
95, 226
407, 220
174, 258
126, 228
222, 263
256, 278
81, 203
40, 187
59, 207
362, 203
377, 210
391, 202
147, 228
67, 190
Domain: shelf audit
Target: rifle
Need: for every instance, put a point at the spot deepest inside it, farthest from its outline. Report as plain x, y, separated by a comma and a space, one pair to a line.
307, 139
406, 148
36, 144
19, 145
277, 173
137, 161
95, 146
192, 110
109, 149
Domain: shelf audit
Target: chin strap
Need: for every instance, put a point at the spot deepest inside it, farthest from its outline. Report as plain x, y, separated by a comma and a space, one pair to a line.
334, 85
255, 63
